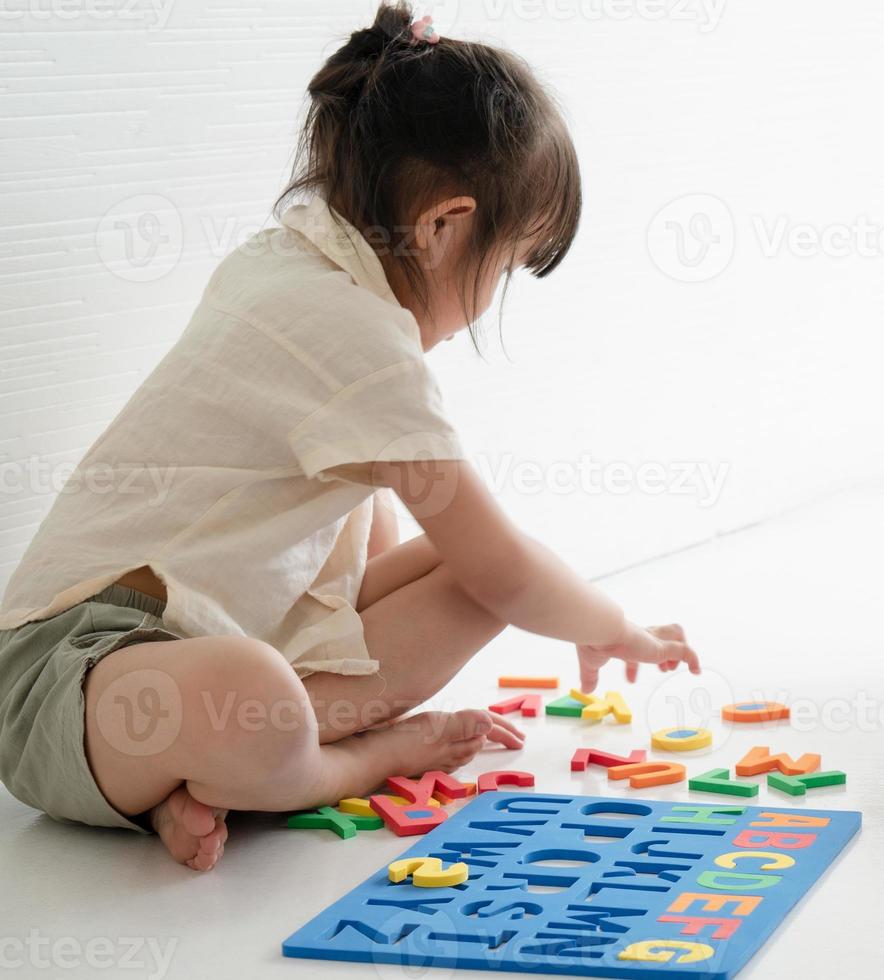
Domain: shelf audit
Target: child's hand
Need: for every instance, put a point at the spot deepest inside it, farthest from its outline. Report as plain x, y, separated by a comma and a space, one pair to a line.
665, 646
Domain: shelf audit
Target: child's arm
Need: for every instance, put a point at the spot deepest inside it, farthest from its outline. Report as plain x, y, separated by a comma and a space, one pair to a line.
515, 577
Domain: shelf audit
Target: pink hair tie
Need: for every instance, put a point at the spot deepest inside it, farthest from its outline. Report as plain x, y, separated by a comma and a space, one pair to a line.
423, 30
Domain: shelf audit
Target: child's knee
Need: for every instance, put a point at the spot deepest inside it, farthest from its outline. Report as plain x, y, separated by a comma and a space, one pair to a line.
254, 709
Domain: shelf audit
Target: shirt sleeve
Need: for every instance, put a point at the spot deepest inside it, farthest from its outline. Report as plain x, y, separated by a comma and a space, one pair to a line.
394, 413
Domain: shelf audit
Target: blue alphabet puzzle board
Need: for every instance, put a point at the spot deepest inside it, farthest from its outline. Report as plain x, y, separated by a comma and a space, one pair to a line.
578, 885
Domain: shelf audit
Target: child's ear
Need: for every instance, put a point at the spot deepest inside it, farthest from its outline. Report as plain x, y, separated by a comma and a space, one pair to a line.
438, 220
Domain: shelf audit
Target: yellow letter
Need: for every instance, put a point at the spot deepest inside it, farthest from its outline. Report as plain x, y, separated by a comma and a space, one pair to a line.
662, 951
779, 860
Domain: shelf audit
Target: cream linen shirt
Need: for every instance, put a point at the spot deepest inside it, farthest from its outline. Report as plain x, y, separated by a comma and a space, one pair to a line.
216, 474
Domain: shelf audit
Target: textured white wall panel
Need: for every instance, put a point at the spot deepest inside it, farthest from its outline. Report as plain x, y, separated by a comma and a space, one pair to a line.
140, 142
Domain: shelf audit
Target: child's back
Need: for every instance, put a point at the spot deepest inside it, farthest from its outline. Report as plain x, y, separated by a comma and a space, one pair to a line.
297, 359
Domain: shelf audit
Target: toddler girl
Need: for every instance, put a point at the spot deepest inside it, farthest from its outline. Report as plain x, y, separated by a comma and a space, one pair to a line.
216, 613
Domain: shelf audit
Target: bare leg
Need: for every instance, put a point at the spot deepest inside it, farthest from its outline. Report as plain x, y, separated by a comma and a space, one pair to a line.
396, 567
422, 632
232, 727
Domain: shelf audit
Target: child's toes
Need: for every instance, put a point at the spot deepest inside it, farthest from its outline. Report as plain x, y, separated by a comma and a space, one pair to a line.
211, 847
197, 818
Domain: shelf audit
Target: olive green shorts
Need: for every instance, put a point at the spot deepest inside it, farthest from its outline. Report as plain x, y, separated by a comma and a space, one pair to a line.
42, 668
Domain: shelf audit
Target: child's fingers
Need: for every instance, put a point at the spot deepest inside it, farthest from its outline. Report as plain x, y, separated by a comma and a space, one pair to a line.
506, 737
507, 724
631, 671
676, 653
590, 664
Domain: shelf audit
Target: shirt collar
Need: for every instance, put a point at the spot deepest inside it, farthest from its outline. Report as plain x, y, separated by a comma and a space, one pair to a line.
336, 238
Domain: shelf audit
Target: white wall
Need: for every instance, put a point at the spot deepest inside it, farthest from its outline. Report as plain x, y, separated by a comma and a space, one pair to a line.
759, 115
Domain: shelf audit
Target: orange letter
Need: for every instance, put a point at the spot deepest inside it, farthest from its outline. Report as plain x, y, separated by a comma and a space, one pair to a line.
693, 925
715, 903
790, 820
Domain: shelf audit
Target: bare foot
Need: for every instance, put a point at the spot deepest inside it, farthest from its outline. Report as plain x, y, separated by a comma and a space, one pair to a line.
193, 832
417, 744
443, 740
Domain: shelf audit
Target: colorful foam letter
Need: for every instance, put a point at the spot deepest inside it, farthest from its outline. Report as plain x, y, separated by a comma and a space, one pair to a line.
550, 682
427, 872
565, 706
719, 781
706, 814
754, 711
743, 905
595, 757
528, 705
681, 739
490, 781
362, 808
445, 799
409, 820
663, 950
758, 760
596, 708
776, 819
644, 774
430, 784
798, 785
327, 818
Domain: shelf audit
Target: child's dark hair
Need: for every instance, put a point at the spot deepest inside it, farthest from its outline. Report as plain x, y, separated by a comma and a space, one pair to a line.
394, 126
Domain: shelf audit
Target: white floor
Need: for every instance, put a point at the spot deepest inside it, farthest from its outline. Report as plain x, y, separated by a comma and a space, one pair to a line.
788, 610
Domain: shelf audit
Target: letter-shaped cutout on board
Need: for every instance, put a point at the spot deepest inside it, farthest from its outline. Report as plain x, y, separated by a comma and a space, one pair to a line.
427, 872
663, 950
